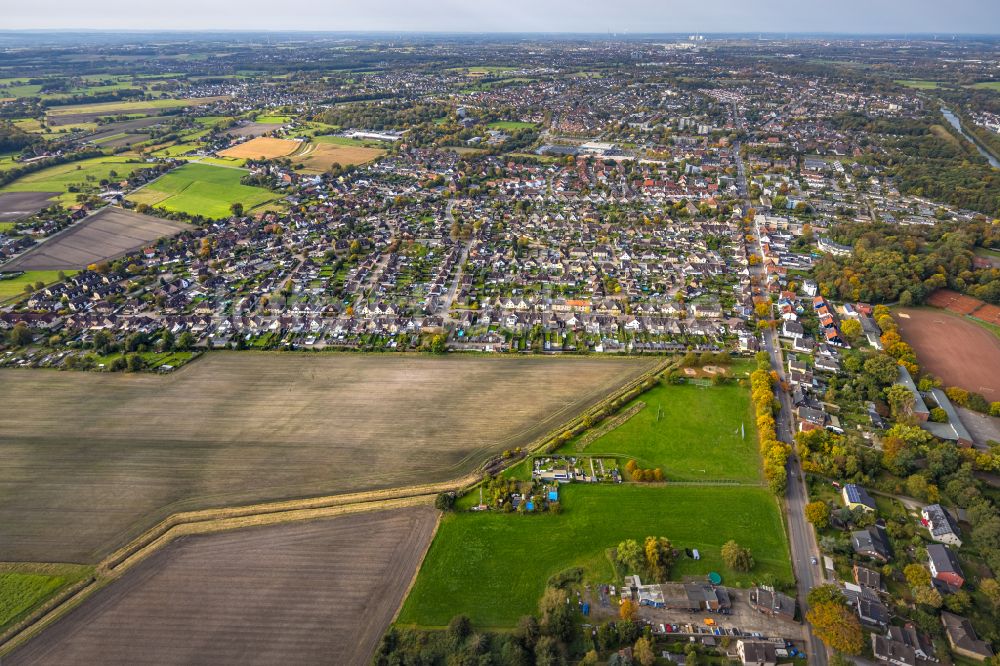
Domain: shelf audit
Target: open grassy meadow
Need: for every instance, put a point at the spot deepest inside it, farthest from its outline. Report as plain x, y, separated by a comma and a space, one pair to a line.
510, 125
82, 174
692, 433
103, 456
493, 567
918, 84
12, 288
24, 586
201, 189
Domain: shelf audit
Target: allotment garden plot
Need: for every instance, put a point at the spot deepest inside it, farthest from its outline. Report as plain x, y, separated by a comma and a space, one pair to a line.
296, 593
91, 460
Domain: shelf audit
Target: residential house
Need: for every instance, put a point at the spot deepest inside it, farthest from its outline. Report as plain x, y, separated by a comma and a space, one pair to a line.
941, 525
769, 601
944, 565
856, 496
756, 653
962, 638
872, 542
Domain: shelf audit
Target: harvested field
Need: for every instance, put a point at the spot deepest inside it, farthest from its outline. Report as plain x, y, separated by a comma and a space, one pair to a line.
82, 113
319, 157
107, 234
91, 460
16, 206
262, 146
955, 349
252, 129
318, 592
124, 127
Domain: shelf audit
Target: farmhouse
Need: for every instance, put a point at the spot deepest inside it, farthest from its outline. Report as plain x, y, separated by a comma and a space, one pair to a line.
941, 525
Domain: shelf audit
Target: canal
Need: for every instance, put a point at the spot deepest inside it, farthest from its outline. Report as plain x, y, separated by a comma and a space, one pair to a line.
957, 124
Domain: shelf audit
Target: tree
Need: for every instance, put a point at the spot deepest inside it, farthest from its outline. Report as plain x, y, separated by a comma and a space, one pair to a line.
185, 341
628, 610
837, 626
991, 590
659, 557
20, 335
643, 652
445, 501
928, 596
917, 575
236, 209
818, 513
822, 594
737, 557
459, 627
900, 400
851, 328
134, 363
629, 554
881, 368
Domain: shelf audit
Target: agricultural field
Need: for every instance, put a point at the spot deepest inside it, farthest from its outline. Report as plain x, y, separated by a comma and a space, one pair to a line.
319, 157
493, 567
957, 350
106, 455
107, 234
251, 129
85, 174
510, 125
16, 206
262, 146
692, 433
10, 288
64, 115
273, 120
919, 84
988, 85
295, 593
202, 189
24, 586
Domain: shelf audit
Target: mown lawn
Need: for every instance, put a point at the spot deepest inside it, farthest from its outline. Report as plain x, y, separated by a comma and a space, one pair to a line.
692, 433
9, 288
201, 189
493, 567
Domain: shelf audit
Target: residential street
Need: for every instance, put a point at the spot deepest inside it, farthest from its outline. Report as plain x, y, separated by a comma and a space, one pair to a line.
802, 540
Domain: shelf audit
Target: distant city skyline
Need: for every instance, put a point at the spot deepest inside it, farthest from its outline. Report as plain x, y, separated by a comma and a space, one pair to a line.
637, 16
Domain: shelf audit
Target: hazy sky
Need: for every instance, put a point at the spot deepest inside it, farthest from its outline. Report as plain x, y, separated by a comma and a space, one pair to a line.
854, 16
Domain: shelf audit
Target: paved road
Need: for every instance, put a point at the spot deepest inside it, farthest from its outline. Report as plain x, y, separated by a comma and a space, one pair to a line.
801, 537
445, 306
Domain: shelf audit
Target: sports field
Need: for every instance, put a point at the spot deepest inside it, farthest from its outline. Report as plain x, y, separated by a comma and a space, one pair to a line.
957, 350
493, 567
262, 146
201, 189
83, 174
103, 456
303, 593
692, 433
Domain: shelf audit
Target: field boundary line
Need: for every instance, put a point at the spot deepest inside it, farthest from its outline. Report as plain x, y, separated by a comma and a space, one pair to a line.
416, 572
107, 572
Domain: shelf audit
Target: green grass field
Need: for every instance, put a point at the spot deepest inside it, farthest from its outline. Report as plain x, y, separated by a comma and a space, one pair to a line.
510, 125
87, 173
120, 107
919, 84
19, 592
202, 189
273, 120
692, 433
493, 567
988, 85
14, 287
348, 141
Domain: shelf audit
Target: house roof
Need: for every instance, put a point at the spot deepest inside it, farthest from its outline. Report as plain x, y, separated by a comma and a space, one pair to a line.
856, 494
944, 559
963, 636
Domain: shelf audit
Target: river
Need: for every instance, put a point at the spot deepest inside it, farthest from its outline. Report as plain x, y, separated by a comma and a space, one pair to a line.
957, 124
